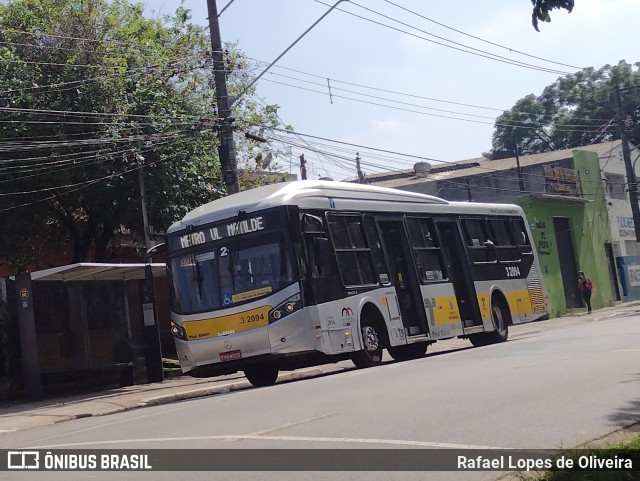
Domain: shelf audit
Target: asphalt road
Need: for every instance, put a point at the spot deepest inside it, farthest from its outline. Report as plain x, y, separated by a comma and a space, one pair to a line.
552, 389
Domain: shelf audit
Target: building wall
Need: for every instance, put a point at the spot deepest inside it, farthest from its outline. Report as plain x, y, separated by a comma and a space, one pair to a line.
614, 176
590, 230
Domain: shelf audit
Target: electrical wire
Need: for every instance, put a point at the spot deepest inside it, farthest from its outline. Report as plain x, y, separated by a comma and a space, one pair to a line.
510, 49
472, 51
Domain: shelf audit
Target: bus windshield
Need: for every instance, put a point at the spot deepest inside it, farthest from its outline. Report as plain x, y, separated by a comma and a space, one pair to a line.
224, 274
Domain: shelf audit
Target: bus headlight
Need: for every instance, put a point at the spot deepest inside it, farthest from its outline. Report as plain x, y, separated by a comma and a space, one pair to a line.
291, 305
178, 331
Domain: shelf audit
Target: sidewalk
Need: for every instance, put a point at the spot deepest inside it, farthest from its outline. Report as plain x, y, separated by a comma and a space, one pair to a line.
19, 415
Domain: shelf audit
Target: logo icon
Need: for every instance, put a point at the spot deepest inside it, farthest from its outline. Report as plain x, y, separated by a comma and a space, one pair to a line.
228, 345
23, 460
24, 294
347, 312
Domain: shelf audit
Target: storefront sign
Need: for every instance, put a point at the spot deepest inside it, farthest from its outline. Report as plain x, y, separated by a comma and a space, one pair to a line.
559, 180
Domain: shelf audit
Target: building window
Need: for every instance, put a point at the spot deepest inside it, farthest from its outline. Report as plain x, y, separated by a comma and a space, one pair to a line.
615, 186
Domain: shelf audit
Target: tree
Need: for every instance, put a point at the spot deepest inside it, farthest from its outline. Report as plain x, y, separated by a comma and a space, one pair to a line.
574, 111
541, 9
92, 91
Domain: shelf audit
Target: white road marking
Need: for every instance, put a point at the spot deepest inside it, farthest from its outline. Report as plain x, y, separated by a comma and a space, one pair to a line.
288, 425
549, 361
396, 442
625, 350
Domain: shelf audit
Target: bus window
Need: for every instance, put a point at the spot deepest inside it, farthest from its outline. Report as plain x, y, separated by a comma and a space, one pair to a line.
424, 240
506, 249
521, 235
475, 232
481, 246
354, 257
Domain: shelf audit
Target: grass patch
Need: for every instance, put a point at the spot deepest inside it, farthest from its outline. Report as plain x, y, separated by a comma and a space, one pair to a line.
617, 454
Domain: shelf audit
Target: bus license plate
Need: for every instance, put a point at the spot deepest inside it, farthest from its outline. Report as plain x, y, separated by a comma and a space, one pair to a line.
231, 355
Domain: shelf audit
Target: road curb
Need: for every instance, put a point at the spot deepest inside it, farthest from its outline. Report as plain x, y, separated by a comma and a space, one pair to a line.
222, 389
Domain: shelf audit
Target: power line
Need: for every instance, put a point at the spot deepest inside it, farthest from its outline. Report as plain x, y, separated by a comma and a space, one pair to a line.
474, 51
333, 88
481, 39
576, 127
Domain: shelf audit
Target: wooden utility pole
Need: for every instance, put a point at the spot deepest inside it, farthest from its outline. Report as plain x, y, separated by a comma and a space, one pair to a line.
303, 167
515, 146
358, 169
227, 148
626, 155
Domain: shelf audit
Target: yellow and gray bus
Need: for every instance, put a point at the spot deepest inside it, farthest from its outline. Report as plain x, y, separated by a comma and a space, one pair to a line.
309, 272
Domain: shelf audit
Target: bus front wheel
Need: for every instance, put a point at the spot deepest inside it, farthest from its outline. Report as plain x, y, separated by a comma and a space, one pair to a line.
261, 376
371, 353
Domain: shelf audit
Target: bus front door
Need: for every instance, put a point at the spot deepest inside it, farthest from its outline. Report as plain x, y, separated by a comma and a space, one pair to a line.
404, 277
456, 258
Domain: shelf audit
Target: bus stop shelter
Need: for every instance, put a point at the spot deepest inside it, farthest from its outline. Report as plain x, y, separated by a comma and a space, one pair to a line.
87, 317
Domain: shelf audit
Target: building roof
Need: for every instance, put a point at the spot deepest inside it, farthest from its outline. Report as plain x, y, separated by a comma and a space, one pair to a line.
97, 272
481, 165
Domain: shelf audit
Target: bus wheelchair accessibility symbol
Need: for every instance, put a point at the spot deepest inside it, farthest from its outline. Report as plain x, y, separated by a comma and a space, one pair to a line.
226, 299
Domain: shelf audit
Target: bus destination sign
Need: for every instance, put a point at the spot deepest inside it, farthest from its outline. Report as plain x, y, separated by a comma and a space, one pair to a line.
232, 229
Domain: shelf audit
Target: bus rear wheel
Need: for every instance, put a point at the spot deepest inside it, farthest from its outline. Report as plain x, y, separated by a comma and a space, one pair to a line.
261, 376
499, 319
408, 352
371, 353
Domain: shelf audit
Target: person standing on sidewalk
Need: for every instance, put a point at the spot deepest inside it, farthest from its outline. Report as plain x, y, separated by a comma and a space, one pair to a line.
586, 287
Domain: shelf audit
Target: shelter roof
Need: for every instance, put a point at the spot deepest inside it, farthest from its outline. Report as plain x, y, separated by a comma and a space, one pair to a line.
97, 272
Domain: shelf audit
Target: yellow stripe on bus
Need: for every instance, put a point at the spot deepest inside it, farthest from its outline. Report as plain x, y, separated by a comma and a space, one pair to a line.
519, 301
484, 304
224, 325
446, 310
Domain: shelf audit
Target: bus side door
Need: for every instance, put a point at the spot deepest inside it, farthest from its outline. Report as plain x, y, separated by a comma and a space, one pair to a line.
457, 262
404, 277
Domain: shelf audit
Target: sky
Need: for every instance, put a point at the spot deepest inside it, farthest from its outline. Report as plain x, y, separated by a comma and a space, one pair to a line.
450, 98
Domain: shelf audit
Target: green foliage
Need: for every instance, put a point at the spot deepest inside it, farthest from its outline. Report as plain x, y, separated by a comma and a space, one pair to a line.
541, 9
91, 91
575, 110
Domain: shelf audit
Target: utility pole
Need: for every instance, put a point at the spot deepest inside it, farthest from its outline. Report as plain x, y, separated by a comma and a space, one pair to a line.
515, 146
358, 169
145, 217
626, 155
303, 167
227, 148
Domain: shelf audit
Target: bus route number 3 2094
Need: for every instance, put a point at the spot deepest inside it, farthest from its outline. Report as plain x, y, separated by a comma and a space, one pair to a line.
512, 271
251, 318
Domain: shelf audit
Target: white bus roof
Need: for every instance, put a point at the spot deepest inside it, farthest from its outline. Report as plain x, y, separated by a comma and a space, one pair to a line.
326, 195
